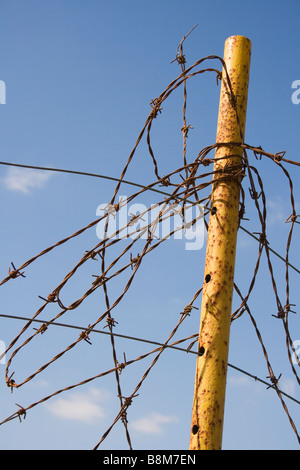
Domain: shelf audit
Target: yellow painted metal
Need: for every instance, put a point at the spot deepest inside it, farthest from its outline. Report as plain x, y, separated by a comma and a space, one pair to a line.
212, 361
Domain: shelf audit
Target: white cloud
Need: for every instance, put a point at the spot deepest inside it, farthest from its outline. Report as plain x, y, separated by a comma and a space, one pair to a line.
276, 211
251, 391
83, 407
39, 383
25, 179
288, 386
245, 240
239, 380
152, 423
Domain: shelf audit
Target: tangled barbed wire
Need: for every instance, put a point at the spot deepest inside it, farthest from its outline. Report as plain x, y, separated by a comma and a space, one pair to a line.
188, 185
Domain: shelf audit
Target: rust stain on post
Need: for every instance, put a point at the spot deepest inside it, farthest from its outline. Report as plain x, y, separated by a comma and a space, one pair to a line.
211, 367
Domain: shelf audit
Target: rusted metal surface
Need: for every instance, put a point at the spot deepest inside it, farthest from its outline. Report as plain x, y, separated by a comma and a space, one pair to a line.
211, 368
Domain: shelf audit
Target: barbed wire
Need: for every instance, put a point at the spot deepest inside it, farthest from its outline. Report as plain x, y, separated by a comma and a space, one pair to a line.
146, 188
188, 350
186, 184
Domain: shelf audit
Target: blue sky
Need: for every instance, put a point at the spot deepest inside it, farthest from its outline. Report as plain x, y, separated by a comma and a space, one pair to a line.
79, 78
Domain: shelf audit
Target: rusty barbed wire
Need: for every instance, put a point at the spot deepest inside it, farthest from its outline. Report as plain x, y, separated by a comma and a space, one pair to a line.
185, 183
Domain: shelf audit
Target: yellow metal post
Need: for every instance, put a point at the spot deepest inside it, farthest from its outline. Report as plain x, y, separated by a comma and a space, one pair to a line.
212, 360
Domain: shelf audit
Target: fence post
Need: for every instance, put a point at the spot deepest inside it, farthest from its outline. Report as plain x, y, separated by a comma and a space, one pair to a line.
212, 360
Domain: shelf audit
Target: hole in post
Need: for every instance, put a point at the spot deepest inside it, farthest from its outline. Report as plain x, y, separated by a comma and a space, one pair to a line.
201, 351
207, 278
213, 210
195, 429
